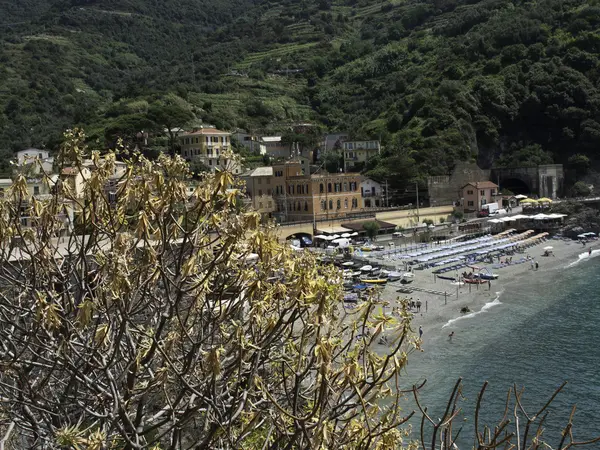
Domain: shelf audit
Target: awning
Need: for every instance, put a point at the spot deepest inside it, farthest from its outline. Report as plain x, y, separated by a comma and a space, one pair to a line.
334, 230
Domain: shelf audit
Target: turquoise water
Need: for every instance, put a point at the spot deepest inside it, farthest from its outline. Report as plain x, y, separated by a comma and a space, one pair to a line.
537, 336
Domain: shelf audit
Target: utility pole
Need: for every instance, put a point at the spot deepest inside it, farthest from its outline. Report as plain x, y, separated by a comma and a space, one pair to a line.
387, 197
417, 188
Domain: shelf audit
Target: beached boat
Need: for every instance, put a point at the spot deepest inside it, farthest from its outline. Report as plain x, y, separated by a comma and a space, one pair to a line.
375, 281
486, 276
351, 274
351, 298
394, 276
360, 287
348, 263
442, 277
407, 277
474, 281
366, 268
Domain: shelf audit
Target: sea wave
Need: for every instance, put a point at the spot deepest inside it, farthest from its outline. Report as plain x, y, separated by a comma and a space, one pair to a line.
484, 308
583, 257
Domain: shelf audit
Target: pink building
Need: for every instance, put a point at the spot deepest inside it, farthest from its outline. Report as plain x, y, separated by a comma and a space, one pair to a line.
476, 194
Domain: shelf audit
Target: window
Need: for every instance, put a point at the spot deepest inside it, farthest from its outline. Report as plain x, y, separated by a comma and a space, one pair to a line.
328, 187
210, 162
36, 190
197, 140
268, 181
305, 206
483, 201
469, 192
260, 205
330, 204
470, 203
346, 203
321, 189
339, 204
354, 203
298, 207
270, 204
481, 192
259, 192
345, 187
323, 205
269, 191
259, 181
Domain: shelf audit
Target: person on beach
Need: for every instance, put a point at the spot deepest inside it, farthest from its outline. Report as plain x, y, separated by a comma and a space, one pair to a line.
532, 264
536, 265
418, 305
420, 332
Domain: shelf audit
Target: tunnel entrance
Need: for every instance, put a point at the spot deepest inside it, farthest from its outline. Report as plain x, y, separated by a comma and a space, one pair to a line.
515, 185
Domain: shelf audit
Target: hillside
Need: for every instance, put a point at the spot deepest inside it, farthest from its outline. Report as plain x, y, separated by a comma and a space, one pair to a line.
498, 81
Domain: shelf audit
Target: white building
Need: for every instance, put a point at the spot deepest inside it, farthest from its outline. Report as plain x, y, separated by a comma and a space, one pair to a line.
372, 193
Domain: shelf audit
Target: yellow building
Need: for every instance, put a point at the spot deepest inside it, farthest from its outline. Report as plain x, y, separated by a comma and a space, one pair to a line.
259, 189
210, 146
357, 153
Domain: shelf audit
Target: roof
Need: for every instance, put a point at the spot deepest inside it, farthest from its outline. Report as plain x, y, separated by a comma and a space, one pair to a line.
481, 185
36, 150
260, 172
207, 131
70, 171
271, 138
358, 226
333, 230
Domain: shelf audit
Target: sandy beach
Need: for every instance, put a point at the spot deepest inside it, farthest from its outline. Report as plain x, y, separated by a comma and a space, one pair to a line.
439, 313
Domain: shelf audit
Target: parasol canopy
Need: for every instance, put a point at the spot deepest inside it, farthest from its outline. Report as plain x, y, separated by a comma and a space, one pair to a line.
545, 200
528, 200
548, 248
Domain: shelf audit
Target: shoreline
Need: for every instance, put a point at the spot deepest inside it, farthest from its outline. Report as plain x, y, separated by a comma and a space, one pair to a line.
438, 316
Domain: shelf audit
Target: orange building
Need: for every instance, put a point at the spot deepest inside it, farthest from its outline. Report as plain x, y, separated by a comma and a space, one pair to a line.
300, 196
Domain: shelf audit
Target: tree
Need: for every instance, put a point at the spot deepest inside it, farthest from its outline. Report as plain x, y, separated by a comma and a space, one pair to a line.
372, 229
581, 189
170, 324
172, 117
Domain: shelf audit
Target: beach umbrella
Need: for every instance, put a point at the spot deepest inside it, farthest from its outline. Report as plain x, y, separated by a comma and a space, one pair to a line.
520, 197
545, 200
346, 235
548, 248
528, 200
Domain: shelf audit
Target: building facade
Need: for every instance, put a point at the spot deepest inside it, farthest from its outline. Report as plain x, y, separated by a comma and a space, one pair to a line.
372, 193
357, 153
476, 194
301, 196
210, 146
259, 190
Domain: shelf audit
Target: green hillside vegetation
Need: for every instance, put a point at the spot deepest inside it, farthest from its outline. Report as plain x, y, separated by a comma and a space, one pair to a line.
497, 81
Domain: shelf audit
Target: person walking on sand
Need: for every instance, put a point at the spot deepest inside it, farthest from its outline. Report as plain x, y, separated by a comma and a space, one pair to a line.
418, 305
590, 251
536, 265
420, 332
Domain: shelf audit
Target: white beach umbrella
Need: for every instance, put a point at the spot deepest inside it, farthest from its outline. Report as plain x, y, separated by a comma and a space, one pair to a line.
548, 248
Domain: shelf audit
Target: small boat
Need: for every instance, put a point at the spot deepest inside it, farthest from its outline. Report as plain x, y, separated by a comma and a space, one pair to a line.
351, 274
442, 277
407, 277
375, 281
394, 276
360, 287
351, 298
366, 268
348, 263
474, 281
486, 276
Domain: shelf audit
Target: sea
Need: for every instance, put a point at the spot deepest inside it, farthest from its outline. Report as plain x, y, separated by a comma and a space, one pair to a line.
535, 335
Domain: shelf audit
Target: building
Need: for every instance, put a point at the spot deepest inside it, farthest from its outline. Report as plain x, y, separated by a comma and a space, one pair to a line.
211, 147
372, 193
333, 141
259, 190
301, 196
476, 194
275, 147
357, 153
41, 158
253, 143
74, 179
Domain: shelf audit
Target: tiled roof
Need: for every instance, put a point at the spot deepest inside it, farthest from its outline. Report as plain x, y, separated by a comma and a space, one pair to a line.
482, 185
207, 131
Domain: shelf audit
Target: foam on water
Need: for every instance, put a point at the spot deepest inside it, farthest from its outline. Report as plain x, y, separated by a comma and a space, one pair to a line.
484, 308
584, 256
